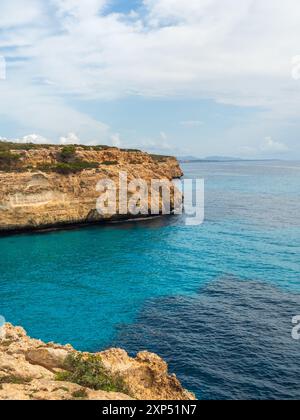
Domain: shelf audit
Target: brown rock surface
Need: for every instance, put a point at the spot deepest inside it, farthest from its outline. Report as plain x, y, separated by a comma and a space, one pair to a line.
28, 372
146, 376
34, 199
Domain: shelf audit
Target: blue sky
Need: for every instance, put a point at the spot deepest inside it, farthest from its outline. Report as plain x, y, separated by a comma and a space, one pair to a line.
197, 77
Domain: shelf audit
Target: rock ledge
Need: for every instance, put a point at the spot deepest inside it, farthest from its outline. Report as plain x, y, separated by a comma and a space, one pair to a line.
29, 367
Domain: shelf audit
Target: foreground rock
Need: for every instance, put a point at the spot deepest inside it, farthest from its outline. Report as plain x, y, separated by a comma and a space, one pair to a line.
33, 195
29, 370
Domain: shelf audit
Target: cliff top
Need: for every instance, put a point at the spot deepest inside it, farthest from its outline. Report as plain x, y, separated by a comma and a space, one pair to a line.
16, 157
33, 370
55, 186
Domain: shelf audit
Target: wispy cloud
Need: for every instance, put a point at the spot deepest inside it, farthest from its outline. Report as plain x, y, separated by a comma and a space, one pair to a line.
201, 48
268, 146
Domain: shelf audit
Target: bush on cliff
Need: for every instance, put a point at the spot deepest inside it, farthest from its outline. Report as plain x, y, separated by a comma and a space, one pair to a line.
8, 160
110, 162
160, 158
8, 146
68, 154
74, 167
68, 168
69, 163
88, 371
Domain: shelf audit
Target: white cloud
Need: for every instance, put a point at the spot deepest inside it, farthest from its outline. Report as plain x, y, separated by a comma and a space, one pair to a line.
34, 108
201, 48
177, 10
19, 12
79, 9
271, 145
159, 144
70, 138
222, 50
30, 138
34, 138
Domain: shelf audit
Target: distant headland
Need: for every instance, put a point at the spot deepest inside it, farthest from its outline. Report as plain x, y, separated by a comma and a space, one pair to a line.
51, 186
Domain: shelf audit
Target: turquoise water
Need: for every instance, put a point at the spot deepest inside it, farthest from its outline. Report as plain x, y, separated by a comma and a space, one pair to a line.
168, 287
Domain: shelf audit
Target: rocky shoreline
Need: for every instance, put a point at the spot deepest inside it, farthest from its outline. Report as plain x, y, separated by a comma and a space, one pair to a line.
33, 370
44, 187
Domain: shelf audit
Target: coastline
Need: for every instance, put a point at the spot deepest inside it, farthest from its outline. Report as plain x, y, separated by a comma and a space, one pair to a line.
37, 196
33, 370
80, 225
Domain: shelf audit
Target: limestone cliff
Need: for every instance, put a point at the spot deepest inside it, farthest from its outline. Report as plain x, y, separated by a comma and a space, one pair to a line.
36, 193
33, 370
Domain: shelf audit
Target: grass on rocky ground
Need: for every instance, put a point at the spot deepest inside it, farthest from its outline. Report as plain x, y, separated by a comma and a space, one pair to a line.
6, 145
80, 395
88, 371
68, 168
67, 160
8, 160
14, 379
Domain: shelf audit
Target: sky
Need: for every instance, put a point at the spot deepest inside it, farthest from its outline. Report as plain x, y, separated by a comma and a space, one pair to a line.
190, 78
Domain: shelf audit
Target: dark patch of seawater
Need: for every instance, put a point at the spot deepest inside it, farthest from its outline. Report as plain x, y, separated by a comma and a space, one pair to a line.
232, 340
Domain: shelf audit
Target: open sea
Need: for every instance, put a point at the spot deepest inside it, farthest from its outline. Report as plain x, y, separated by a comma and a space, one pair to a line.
216, 301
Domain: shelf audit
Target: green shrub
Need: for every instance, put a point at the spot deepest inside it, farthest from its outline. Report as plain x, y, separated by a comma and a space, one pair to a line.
14, 379
68, 168
81, 394
101, 147
88, 371
4, 146
160, 158
110, 162
45, 167
98, 147
7, 145
131, 150
135, 162
8, 160
67, 154
78, 166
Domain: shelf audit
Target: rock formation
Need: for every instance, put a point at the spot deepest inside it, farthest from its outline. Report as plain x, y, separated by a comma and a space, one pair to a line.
34, 196
29, 370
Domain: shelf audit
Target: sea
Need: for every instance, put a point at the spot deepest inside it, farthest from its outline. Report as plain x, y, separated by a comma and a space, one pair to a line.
215, 300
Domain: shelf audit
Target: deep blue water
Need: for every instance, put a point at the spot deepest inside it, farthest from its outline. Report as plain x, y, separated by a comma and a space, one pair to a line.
216, 300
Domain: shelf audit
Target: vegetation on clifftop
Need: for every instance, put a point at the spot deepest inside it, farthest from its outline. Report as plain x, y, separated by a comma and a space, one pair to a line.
68, 168
88, 371
8, 160
160, 158
8, 145
64, 160
68, 162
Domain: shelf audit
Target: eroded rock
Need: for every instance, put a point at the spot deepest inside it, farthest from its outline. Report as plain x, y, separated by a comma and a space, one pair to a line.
33, 199
50, 358
28, 372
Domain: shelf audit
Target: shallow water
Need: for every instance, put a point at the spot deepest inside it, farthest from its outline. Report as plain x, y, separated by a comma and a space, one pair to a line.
216, 300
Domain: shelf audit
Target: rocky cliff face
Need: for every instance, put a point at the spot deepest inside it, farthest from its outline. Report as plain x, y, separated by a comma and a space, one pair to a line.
33, 196
33, 370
